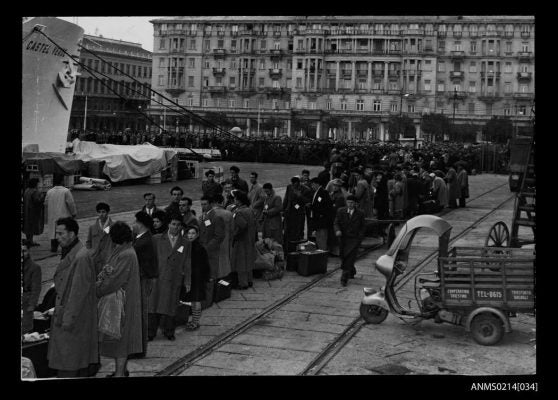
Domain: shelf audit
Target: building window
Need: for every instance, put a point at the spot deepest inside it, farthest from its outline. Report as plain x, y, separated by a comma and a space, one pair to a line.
507, 109
232, 103
232, 81
441, 66
161, 80
441, 45
524, 88
508, 47
473, 67
261, 82
190, 102
521, 110
300, 44
524, 47
207, 44
440, 86
191, 63
190, 81
508, 68
263, 44
299, 63
410, 108
275, 84
360, 105
192, 44
312, 105
471, 108
161, 62
298, 83
427, 86
472, 87
344, 105
205, 102
473, 47
427, 65
219, 81
206, 64
394, 107
328, 105
262, 64
457, 45
162, 43
246, 103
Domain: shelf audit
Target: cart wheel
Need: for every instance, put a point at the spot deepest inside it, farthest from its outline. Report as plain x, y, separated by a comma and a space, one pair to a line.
498, 236
373, 314
390, 234
487, 329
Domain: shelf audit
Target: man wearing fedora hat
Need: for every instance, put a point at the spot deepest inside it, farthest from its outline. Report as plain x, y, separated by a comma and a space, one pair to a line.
349, 227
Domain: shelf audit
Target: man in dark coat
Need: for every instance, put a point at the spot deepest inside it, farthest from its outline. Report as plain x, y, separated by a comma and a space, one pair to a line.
73, 345
413, 192
209, 186
98, 239
173, 250
237, 181
294, 202
33, 218
271, 215
244, 240
31, 282
176, 194
349, 226
149, 208
325, 176
321, 217
147, 258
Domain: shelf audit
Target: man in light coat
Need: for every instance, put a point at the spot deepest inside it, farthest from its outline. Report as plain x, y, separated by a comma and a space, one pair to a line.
463, 183
271, 215
98, 238
244, 240
439, 189
59, 203
256, 196
225, 248
73, 344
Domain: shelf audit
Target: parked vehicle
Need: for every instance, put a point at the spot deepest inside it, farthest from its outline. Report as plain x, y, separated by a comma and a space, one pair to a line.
477, 288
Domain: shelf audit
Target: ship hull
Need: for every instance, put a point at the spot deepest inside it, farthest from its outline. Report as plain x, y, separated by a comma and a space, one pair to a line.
48, 83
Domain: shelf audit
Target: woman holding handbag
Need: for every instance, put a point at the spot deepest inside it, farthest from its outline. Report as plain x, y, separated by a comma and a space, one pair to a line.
195, 293
118, 290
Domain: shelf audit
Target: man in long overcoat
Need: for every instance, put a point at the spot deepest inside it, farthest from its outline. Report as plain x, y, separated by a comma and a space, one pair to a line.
463, 183
147, 258
225, 248
73, 344
349, 226
271, 215
294, 210
321, 217
33, 218
59, 203
363, 195
98, 238
256, 196
454, 191
173, 250
244, 240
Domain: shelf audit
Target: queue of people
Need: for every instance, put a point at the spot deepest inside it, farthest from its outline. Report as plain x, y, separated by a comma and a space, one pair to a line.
125, 283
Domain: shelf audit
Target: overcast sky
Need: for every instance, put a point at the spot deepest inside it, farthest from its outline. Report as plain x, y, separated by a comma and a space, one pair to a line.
131, 29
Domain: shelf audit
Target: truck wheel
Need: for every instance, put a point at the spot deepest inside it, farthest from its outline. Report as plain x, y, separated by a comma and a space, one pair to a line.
487, 329
373, 314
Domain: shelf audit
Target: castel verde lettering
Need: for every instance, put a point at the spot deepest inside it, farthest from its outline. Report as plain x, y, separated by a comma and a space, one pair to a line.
45, 48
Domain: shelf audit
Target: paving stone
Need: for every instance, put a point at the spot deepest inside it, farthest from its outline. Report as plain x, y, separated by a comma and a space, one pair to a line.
277, 342
269, 352
253, 364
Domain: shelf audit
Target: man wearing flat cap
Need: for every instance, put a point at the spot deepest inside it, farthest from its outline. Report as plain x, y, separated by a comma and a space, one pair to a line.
349, 227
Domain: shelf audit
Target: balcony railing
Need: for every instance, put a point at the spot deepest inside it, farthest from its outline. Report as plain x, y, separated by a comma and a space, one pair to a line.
219, 71
457, 54
521, 95
490, 74
442, 33
524, 76
276, 52
275, 72
488, 96
524, 55
457, 75
525, 35
219, 52
177, 50
216, 89
458, 94
508, 34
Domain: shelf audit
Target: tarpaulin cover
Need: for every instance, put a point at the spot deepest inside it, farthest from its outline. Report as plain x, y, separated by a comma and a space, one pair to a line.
54, 163
124, 162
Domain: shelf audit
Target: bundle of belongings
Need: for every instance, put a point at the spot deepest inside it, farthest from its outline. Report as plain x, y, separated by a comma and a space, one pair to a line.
86, 183
270, 259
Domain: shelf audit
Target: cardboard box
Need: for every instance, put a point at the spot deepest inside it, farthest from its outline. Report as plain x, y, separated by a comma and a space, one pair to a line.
312, 262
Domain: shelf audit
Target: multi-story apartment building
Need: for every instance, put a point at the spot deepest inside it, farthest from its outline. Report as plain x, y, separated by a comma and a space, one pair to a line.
98, 105
469, 68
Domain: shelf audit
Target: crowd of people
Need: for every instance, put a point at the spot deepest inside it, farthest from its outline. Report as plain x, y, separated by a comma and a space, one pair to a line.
115, 291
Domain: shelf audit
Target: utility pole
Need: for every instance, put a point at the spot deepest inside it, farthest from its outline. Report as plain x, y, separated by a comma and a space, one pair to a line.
453, 120
259, 107
85, 115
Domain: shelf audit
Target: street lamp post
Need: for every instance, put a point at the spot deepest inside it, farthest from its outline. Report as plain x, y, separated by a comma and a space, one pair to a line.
401, 95
453, 119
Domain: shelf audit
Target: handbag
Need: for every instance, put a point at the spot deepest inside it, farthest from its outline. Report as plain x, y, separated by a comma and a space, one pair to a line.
111, 314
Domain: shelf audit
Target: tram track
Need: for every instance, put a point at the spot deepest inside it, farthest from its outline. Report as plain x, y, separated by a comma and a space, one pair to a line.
323, 358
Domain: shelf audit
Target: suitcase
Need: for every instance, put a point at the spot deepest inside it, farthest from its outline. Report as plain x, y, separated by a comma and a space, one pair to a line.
222, 290
312, 262
292, 245
292, 261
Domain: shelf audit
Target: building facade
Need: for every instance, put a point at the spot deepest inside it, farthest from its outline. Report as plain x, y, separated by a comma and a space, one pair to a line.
96, 106
349, 68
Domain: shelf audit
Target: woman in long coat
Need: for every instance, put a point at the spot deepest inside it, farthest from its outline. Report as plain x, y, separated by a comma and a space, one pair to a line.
200, 275
244, 240
362, 193
122, 272
381, 196
463, 183
397, 194
33, 218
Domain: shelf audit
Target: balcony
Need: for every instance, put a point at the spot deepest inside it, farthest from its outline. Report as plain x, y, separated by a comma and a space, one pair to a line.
220, 33
457, 75
524, 56
419, 32
525, 35
219, 52
277, 33
457, 54
523, 96
275, 72
219, 71
377, 72
362, 72
442, 34
394, 73
346, 72
396, 52
491, 53
508, 35
474, 34
175, 89
176, 50
490, 74
457, 94
488, 96
250, 71
276, 52
412, 72
216, 89
524, 76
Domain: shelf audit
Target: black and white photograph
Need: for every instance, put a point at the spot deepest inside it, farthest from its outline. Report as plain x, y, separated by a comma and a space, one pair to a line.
267, 195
